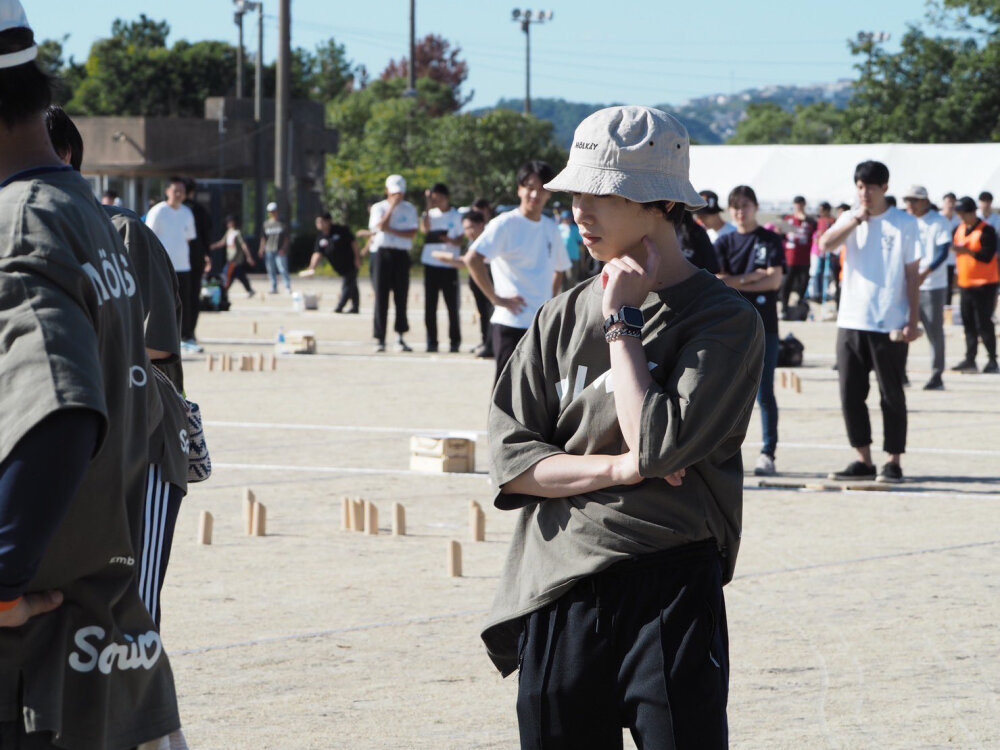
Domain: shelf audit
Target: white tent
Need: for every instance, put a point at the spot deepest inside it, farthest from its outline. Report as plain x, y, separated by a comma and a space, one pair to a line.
778, 173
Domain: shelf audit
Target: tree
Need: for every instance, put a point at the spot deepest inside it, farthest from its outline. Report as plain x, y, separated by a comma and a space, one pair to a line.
67, 73
765, 122
437, 61
327, 73
144, 33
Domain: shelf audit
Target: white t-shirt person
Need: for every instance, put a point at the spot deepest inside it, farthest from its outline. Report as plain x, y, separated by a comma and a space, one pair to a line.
935, 230
404, 219
442, 224
873, 295
726, 228
173, 227
524, 256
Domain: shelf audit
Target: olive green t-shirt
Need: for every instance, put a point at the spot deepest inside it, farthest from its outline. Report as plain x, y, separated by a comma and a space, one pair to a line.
161, 302
704, 344
275, 233
93, 672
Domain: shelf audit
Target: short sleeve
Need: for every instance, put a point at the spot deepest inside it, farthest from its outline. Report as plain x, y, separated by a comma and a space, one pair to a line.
721, 249
375, 217
776, 256
492, 243
190, 232
911, 243
943, 235
562, 261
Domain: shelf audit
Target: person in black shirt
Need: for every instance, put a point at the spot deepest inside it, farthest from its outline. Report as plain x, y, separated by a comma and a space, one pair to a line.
336, 243
752, 261
696, 244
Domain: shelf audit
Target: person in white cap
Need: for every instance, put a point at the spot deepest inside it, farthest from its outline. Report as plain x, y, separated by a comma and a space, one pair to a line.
81, 661
935, 246
274, 244
394, 224
616, 430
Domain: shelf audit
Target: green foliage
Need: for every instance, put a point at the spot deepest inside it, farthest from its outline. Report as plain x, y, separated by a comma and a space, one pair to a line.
765, 122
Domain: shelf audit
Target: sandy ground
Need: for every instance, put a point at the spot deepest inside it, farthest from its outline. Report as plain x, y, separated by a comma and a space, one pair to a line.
857, 619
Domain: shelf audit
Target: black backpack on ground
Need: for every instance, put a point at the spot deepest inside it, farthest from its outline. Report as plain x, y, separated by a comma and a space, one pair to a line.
790, 351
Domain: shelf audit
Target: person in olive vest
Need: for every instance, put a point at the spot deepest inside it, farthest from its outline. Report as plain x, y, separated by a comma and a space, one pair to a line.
975, 249
81, 661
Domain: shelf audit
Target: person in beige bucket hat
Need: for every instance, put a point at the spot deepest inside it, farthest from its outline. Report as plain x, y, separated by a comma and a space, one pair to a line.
615, 429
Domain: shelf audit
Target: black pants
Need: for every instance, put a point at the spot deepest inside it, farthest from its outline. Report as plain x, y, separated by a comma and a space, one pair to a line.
505, 341
977, 318
858, 353
234, 271
184, 284
641, 645
349, 291
485, 309
796, 280
444, 281
391, 274
163, 503
194, 298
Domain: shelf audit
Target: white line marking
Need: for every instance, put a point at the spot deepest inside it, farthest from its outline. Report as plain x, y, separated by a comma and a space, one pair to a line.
347, 470
470, 434
844, 446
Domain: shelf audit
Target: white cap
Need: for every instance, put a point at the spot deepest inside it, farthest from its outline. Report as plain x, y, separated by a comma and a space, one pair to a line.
639, 153
272, 206
12, 16
395, 183
917, 192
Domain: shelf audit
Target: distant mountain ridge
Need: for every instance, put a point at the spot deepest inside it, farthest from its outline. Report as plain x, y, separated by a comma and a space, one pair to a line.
709, 119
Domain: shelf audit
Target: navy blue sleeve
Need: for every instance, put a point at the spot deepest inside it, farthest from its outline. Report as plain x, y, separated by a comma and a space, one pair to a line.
720, 255
989, 243
939, 256
38, 480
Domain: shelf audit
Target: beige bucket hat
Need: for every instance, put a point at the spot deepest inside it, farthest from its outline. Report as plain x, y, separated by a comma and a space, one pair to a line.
639, 153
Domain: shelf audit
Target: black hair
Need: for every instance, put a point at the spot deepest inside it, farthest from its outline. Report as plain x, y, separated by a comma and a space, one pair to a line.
441, 189
25, 90
871, 173
541, 169
325, 215
950, 195
481, 203
986, 195
232, 218
175, 178
66, 139
742, 191
843, 207
824, 206
799, 199
190, 186
475, 217
890, 200
674, 214
109, 194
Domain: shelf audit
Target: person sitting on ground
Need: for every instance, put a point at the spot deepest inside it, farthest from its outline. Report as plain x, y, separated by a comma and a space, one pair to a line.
616, 430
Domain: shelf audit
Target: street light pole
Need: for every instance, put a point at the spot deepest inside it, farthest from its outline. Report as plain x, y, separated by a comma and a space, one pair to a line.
412, 79
526, 18
282, 107
238, 17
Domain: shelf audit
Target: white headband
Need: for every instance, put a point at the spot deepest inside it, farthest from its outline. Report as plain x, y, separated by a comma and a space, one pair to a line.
13, 59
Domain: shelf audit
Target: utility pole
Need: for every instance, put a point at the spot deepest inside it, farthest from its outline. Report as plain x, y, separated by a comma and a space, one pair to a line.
412, 84
238, 18
526, 18
258, 122
282, 107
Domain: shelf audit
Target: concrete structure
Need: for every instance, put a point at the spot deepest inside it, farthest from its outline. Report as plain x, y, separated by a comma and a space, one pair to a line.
133, 155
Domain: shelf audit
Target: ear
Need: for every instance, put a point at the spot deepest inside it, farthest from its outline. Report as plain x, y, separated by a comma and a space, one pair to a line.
670, 205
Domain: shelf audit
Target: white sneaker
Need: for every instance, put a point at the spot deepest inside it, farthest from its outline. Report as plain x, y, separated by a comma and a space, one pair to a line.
765, 466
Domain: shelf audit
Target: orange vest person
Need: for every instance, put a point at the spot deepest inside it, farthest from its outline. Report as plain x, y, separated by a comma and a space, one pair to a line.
975, 248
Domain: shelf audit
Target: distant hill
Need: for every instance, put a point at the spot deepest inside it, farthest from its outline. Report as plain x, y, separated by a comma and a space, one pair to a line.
709, 119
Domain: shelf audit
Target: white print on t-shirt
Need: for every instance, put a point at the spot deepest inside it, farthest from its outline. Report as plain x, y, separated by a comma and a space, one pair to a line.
122, 560
606, 378
137, 376
113, 279
141, 653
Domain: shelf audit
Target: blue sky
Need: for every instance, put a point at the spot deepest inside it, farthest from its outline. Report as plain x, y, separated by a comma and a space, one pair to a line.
625, 50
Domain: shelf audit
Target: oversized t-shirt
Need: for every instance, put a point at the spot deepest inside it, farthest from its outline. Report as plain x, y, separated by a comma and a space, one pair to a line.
524, 256
934, 231
444, 225
740, 254
404, 219
175, 229
338, 247
704, 344
93, 671
873, 294
275, 234
161, 303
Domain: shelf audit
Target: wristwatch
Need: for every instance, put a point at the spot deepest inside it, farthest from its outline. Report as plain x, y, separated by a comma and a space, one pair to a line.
631, 316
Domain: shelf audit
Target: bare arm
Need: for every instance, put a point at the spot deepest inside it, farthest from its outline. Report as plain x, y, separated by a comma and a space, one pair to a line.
911, 332
557, 283
476, 264
834, 237
565, 475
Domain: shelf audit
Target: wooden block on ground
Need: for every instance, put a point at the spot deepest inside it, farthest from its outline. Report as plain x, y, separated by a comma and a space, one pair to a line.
775, 485
371, 519
358, 514
260, 362
868, 487
253, 328
205, 528
477, 522
248, 502
454, 559
798, 383
210, 362
784, 379
398, 520
345, 514
258, 526
274, 363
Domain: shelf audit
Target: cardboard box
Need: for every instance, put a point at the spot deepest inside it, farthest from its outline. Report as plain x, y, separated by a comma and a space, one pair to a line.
442, 453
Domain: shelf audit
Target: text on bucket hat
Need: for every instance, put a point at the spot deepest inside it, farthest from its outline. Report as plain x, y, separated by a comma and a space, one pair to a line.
12, 16
395, 183
639, 153
916, 192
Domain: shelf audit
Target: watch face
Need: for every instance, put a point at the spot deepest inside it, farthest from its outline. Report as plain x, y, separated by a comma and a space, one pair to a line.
632, 316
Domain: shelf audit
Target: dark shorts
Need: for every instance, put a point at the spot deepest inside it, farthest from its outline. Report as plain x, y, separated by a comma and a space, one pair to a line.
642, 645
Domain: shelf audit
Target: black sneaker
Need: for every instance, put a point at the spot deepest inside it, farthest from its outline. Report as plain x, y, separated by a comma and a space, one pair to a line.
992, 368
891, 474
934, 384
965, 366
402, 346
432, 348
854, 470
455, 348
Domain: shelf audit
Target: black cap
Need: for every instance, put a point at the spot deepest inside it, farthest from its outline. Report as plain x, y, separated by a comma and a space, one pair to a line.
987, 196
799, 199
965, 205
711, 203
